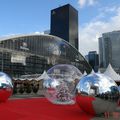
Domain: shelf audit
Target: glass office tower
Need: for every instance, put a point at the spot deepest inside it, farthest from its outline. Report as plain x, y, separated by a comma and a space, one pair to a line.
64, 24
109, 49
93, 60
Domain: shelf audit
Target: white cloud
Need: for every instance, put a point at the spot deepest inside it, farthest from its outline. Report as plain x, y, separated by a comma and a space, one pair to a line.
83, 3
91, 2
90, 32
38, 32
109, 9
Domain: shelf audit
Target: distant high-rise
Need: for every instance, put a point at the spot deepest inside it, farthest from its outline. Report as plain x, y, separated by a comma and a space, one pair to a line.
101, 52
47, 32
109, 49
93, 60
64, 24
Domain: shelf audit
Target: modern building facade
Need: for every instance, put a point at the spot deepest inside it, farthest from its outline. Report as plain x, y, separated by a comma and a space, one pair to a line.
93, 60
100, 52
47, 32
109, 49
64, 24
34, 53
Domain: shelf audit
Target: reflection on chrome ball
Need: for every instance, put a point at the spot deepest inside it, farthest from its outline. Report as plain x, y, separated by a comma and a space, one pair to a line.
6, 87
97, 93
60, 87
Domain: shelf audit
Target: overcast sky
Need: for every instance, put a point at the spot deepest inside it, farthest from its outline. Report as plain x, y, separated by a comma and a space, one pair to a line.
29, 16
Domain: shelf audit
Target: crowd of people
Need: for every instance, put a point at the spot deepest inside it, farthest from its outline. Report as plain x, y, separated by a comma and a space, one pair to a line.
27, 86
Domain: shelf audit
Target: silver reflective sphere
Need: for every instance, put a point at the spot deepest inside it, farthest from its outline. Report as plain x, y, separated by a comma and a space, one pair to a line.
6, 87
97, 93
61, 84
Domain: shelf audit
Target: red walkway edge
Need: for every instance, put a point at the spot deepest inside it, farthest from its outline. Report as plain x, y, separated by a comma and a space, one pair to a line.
40, 109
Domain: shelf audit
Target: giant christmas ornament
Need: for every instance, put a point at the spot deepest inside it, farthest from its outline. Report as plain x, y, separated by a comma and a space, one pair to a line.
60, 86
6, 87
97, 94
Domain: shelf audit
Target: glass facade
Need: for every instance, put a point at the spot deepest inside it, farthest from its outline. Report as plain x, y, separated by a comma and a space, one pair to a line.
64, 24
32, 54
100, 52
93, 60
109, 48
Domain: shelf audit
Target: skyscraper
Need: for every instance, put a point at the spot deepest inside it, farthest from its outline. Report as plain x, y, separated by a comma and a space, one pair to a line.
109, 49
93, 60
100, 52
64, 24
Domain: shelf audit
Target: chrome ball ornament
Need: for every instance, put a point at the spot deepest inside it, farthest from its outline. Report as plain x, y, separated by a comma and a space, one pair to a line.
61, 84
6, 87
97, 94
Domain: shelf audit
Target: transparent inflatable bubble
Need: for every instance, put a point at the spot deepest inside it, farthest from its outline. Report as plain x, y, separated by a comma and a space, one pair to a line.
6, 87
60, 86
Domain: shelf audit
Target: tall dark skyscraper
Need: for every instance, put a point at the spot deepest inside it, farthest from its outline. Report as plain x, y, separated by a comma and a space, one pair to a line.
64, 24
93, 60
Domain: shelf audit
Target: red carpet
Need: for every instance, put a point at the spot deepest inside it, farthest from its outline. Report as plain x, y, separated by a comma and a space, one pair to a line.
4, 94
40, 109
86, 100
